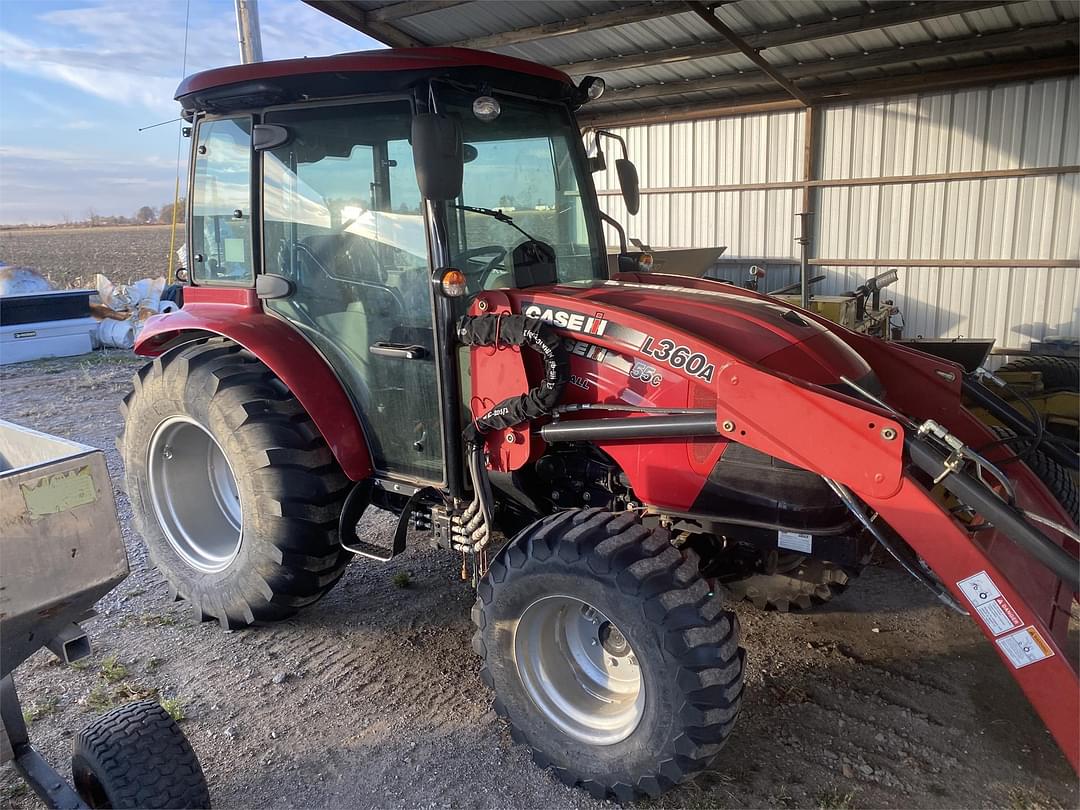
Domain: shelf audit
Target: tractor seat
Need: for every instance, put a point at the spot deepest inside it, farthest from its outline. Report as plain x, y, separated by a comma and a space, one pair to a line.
346, 256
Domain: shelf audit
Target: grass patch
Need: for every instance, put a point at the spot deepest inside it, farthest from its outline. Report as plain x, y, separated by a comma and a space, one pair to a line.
98, 699
836, 799
402, 579
152, 663
79, 664
156, 620
16, 790
108, 357
149, 620
1030, 798
175, 708
102, 698
112, 670
39, 709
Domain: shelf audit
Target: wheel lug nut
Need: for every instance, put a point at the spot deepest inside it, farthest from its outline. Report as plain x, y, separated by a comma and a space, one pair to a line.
614, 662
167, 452
594, 642
633, 661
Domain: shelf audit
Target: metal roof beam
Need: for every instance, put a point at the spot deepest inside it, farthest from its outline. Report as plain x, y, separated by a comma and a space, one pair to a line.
357, 18
1014, 70
410, 8
898, 14
636, 12
751, 53
1044, 35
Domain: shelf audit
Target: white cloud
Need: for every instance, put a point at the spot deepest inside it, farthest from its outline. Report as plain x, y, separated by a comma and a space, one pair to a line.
130, 54
115, 76
8, 153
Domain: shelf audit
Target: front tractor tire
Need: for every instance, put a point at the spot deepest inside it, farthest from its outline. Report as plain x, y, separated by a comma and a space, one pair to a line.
608, 654
234, 491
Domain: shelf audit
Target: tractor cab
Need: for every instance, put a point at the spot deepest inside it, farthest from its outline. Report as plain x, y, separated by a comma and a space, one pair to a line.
339, 203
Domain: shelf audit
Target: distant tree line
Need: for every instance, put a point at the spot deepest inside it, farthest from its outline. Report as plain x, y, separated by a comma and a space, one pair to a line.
146, 215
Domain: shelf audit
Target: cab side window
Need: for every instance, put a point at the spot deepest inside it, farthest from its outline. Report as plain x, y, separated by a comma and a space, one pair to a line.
221, 203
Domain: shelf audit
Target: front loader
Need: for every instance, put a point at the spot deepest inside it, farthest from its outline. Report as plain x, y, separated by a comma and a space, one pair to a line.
398, 297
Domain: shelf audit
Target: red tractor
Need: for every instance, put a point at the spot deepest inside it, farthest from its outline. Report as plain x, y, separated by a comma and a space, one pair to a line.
399, 296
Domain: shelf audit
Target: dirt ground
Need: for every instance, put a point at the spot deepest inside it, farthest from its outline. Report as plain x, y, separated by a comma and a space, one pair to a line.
371, 698
70, 257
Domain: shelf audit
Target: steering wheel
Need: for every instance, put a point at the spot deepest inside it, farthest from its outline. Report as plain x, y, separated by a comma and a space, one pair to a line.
498, 253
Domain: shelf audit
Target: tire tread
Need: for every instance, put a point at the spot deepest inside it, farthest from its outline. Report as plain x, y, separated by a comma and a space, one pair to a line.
704, 643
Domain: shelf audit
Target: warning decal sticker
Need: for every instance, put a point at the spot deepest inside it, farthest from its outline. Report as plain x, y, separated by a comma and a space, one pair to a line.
1024, 647
993, 608
795, 541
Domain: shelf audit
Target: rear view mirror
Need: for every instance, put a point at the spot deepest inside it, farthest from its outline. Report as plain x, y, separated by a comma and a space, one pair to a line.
628, 184
624, 168
438, 156
268, 136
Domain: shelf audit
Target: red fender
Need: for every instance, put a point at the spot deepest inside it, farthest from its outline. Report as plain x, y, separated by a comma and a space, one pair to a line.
237, 314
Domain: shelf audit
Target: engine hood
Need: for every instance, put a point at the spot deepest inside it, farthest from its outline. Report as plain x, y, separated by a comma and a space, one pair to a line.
763, 331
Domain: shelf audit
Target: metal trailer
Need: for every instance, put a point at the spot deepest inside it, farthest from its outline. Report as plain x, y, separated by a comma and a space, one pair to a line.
60, 552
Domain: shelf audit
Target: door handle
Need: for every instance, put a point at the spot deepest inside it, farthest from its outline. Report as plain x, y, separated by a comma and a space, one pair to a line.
402, 350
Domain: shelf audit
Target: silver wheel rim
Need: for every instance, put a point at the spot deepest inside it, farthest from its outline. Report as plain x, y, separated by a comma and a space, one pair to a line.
579, 669
194, 494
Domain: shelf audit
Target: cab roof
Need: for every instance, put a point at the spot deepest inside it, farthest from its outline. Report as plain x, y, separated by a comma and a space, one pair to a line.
365, 62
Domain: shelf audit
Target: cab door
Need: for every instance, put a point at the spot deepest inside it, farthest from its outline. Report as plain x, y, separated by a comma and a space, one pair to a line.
343, 221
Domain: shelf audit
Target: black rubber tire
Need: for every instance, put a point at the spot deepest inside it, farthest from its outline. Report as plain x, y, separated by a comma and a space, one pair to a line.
136, 756
1057, 479
291, 488
1058, 373
686, 645
807, 585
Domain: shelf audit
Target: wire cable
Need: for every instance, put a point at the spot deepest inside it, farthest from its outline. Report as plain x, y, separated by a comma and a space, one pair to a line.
169, 278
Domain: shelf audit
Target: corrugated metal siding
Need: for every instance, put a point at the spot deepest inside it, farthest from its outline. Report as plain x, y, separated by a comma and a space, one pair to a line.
1006, 127
745, 149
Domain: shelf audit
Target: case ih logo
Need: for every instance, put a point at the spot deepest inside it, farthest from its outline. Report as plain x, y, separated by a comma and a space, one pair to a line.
574, 321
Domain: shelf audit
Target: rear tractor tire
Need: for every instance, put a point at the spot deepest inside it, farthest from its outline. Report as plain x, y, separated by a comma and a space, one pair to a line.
1061, 483
1058, 373
608, 654
234, 491
800, 583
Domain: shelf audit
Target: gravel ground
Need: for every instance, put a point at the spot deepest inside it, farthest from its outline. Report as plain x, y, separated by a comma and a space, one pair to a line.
70, 257
371, 698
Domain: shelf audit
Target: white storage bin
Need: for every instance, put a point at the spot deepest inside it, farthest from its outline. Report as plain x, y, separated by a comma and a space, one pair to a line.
33, 341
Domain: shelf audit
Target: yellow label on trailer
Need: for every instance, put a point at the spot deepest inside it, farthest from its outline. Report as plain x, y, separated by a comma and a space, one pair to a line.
52, 494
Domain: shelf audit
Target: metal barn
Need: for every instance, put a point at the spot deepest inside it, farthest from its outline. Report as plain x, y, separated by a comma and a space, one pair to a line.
941, 138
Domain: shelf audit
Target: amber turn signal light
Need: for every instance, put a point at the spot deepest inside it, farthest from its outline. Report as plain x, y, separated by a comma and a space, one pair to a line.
453, 283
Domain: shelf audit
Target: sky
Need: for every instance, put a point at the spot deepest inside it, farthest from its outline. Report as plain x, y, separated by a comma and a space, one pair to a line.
78, 78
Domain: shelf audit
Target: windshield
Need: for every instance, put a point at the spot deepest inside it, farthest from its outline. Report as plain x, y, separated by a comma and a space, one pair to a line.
529, 165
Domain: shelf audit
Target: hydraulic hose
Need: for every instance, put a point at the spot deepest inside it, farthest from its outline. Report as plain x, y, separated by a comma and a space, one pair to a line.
1008, 416
517, 330
975, 494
